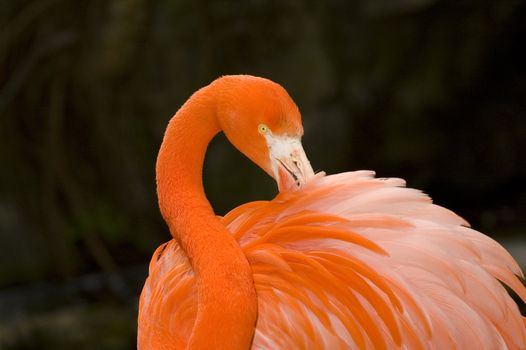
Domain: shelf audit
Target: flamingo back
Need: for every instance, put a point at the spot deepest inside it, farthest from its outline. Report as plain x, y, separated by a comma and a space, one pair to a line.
353, 261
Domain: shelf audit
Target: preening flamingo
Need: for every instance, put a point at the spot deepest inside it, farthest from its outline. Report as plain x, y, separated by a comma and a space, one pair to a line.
332, 262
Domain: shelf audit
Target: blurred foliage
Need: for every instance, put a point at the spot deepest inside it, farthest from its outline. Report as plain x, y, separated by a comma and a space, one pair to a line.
429, 90
106, 325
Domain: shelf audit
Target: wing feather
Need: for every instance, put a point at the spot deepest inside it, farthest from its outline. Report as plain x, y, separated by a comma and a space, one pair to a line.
353, 261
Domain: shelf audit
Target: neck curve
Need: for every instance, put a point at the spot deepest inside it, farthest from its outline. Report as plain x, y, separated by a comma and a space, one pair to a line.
227, 301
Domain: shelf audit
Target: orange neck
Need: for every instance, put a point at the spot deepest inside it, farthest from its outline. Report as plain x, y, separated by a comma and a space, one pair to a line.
227, 301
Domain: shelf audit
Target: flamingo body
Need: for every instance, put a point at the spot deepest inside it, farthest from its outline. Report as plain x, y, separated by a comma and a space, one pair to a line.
350, 261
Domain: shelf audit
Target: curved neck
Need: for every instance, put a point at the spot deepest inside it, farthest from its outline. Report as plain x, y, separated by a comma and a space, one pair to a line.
226, 301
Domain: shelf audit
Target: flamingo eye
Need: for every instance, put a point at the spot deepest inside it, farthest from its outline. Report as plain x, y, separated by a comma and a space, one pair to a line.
263, 129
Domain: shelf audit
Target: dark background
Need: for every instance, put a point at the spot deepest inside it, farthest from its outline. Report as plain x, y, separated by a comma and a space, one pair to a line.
431, 91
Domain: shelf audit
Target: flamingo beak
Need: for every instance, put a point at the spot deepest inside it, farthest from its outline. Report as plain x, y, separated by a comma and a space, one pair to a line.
290, 166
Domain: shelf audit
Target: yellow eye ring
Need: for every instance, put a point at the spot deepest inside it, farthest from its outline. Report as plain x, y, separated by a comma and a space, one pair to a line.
263, 129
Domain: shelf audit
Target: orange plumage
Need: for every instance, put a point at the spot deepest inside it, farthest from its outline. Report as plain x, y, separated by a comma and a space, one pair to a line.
333, 262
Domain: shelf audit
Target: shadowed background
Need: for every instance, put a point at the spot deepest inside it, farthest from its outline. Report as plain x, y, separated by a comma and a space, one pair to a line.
433, 91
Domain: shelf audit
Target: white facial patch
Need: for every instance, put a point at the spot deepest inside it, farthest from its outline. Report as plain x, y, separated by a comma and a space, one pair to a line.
288, 151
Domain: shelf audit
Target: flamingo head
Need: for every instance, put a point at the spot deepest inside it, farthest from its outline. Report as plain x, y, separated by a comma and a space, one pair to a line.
262, 121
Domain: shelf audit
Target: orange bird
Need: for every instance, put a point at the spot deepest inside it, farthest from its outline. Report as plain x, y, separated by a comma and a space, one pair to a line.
333, 262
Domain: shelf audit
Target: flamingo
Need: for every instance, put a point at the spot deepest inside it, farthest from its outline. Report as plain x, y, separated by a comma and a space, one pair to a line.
345, 261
